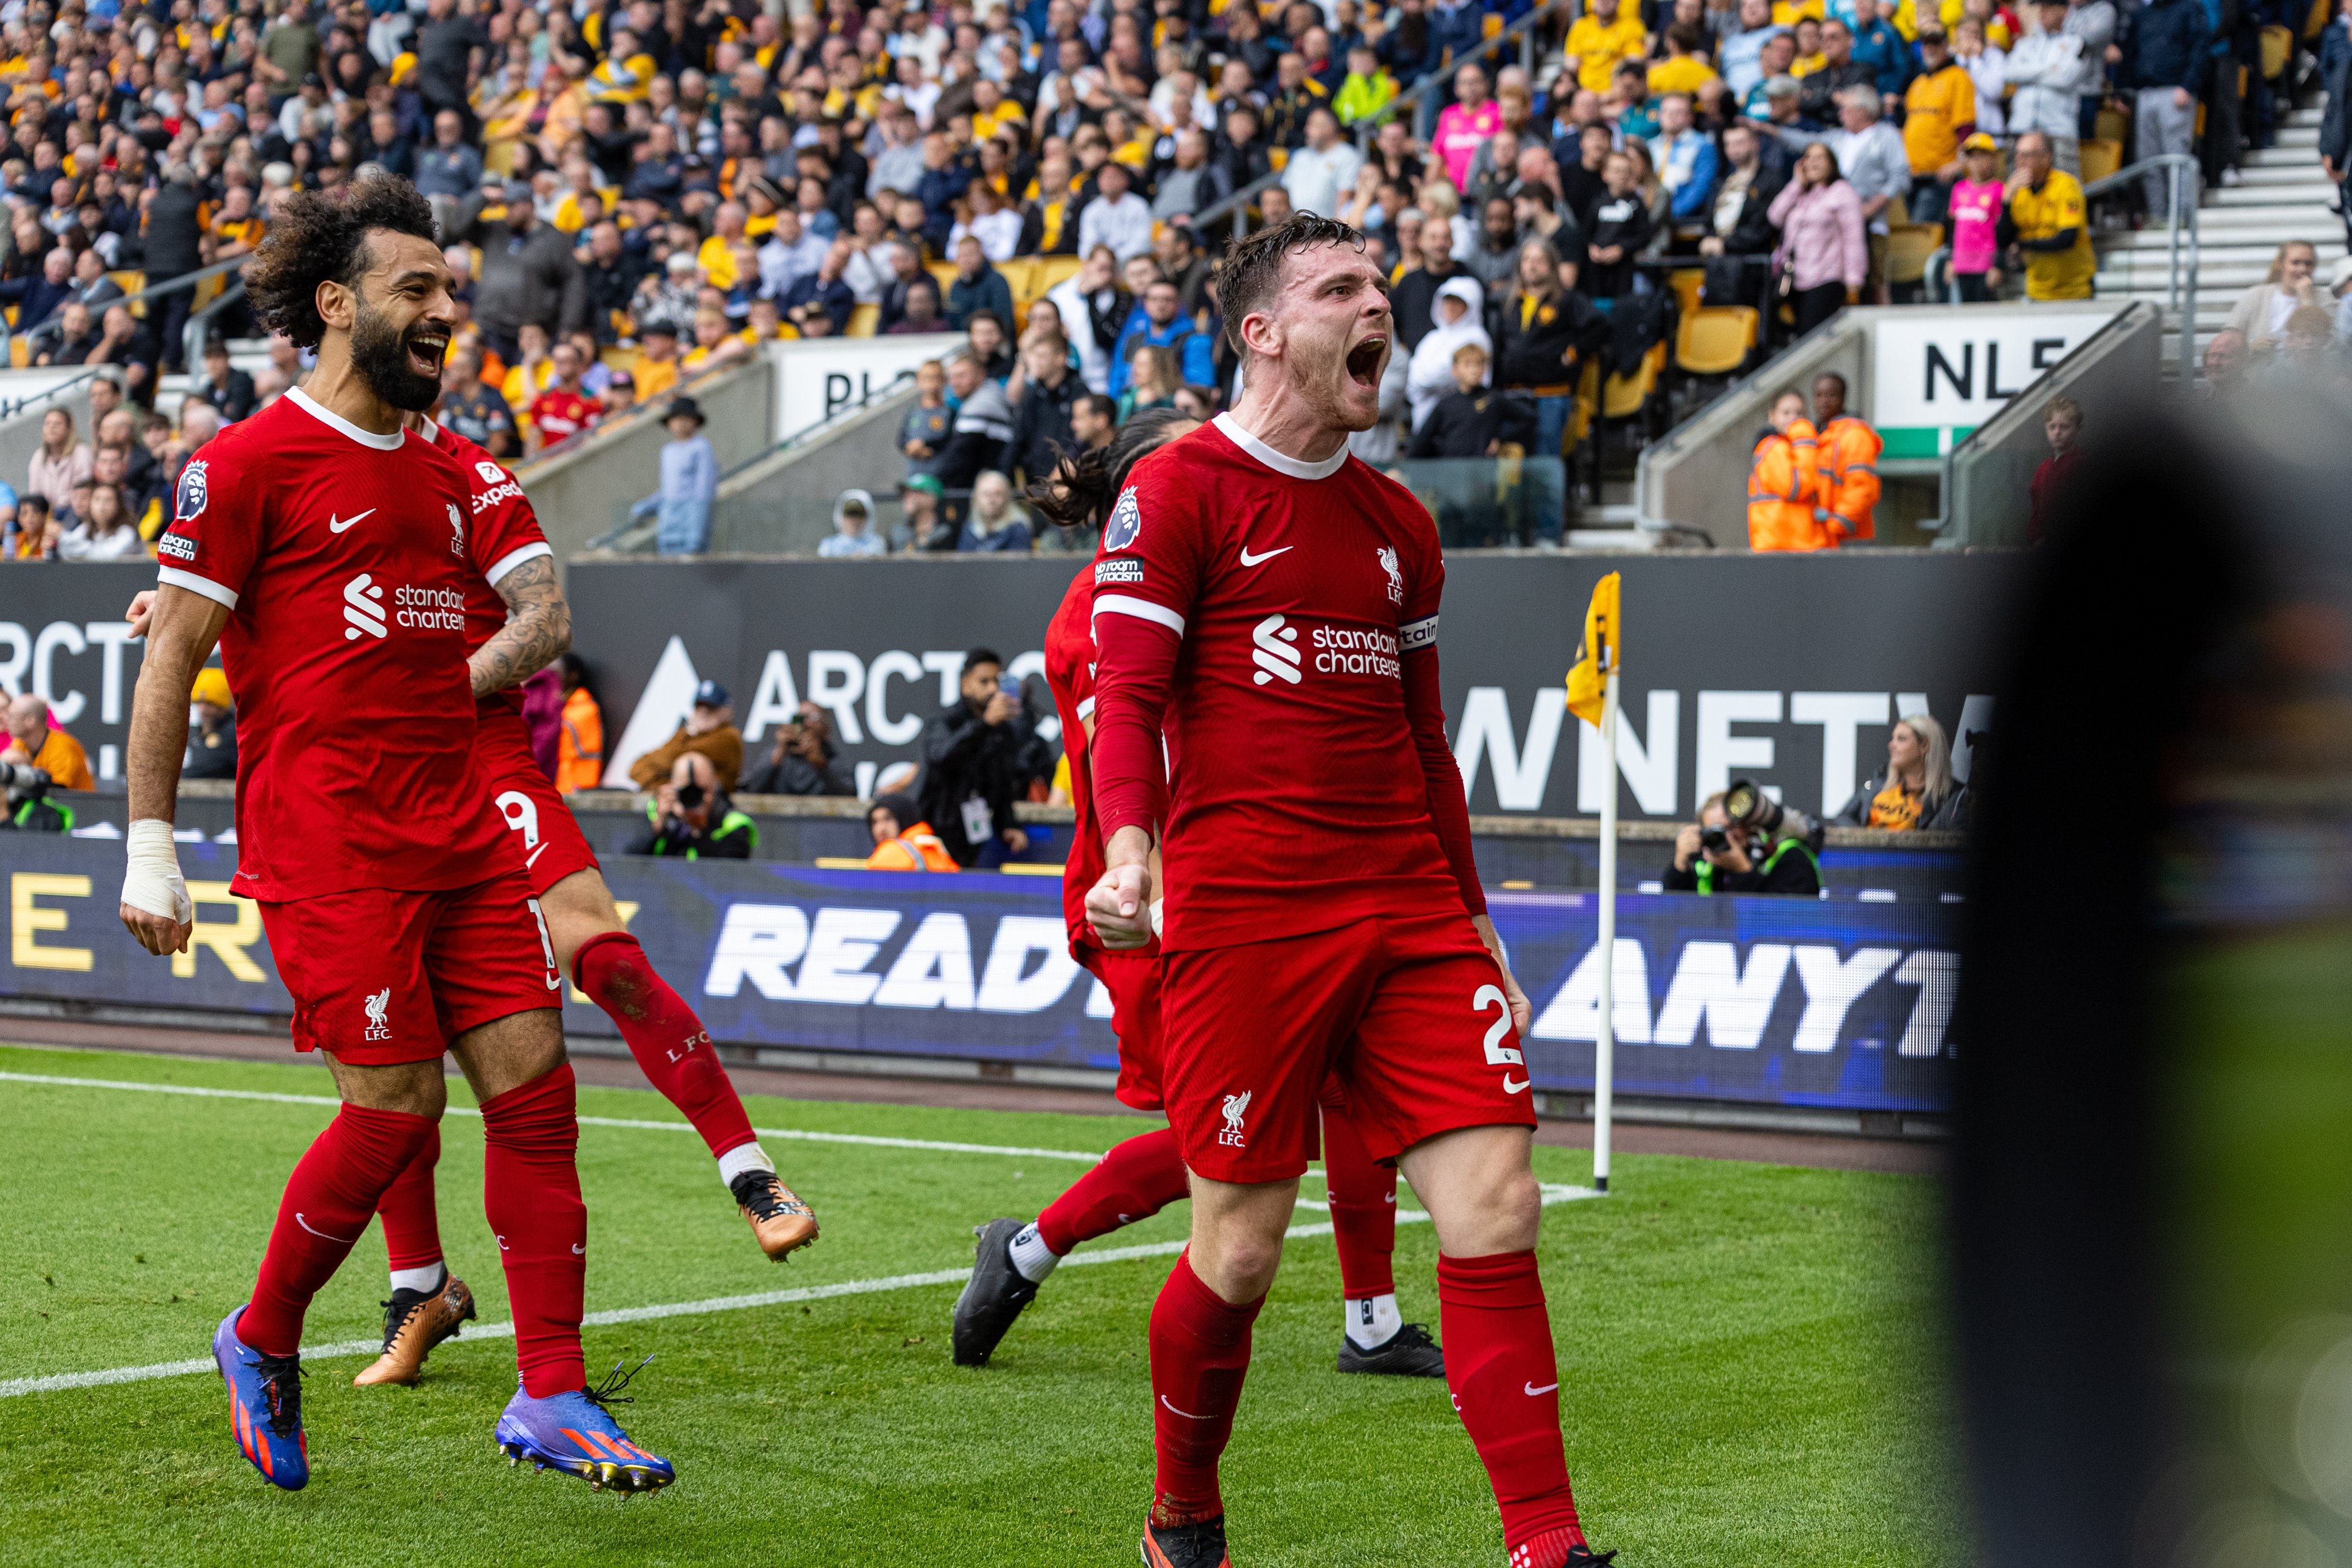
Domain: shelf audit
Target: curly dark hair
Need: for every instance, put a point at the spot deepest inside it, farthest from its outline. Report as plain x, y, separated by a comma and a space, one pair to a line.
318, 235
1084, 487
1252, 273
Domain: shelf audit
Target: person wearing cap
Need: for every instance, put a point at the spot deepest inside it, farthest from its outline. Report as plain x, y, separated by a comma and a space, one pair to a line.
212, 739
690, 483
708, 729
902, 840
1977, 201
620, 394
853, 528
1939, 114
2046, 221
927, 528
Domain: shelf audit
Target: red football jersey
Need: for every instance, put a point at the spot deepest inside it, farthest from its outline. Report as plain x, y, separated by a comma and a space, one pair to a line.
1277, 620
559, 413
1070, 676
341, 557
501, 533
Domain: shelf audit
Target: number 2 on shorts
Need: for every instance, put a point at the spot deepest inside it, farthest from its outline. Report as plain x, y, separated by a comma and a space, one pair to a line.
1498, 1053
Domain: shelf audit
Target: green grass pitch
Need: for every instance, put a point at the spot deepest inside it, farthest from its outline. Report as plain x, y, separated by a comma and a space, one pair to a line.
1751, 1360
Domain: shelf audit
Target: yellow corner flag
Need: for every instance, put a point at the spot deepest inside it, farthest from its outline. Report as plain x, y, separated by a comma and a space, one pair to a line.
1604, 653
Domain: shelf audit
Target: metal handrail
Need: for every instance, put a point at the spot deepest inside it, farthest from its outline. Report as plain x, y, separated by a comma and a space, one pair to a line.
2185, 183
1522, 31
11, 407
56, 323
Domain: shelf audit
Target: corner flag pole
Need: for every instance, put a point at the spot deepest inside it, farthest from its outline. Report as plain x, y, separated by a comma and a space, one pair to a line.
1605, 1040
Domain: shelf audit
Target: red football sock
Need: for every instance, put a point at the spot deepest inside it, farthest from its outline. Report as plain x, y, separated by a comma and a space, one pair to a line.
412, 1229
530, 1190
1363, 1209
328, 1200
664, 1036
1505, 1382
1135, 1181
1200, 1353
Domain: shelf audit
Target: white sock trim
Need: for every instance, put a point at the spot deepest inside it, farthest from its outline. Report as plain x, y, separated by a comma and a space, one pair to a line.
1031, 1257
427, 1279
1373, 1321
744, 1158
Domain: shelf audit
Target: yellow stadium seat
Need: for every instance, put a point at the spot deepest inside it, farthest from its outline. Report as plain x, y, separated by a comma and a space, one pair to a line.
1895, 211
2101, 158
1686, 282
617, 357
2278, 49
1277, 158
2316, 22
945, 271
1907, 249
1019, 275
1715, 341
20, 353
864, 320
1588, 401
1624, 395
1051, 271
2115, 124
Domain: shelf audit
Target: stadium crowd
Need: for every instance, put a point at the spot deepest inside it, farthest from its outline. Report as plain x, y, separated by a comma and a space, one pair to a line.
637, 193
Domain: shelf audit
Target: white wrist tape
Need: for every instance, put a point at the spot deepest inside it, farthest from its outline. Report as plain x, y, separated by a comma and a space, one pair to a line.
1156, 904
151, 880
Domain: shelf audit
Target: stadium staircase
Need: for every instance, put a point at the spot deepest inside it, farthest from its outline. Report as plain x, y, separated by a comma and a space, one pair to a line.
2282, 196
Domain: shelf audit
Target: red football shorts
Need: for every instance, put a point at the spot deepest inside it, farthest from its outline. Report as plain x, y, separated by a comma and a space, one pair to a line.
1132, 978
553, 847
1407, 1014
382, 976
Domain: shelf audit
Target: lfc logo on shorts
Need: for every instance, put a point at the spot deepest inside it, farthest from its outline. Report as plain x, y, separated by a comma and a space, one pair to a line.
378, 1006
1236, 1107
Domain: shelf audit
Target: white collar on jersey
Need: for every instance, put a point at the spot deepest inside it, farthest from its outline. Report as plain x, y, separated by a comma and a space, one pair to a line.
334, 421
1277, 461
430, 431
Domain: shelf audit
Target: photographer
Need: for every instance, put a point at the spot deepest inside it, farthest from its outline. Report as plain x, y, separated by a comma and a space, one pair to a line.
972, 761
803, 761
1724, 853
31, 741
29, 808
690, 817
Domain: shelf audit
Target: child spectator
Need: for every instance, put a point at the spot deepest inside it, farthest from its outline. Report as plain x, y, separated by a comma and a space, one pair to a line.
690, 483
853, 528
1977, 197
38, 531
1365, 92
1473, 421
923, 429
2062, 423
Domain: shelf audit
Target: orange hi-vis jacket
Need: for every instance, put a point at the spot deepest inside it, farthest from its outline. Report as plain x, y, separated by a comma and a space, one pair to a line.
1781, 488
916, 849
1845, 465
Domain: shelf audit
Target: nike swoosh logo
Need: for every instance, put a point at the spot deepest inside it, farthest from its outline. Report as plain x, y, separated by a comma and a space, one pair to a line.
580, 1252
1511, 1088
318, 1233
1533, 1391
335, 527
1249, 559
1186, 1414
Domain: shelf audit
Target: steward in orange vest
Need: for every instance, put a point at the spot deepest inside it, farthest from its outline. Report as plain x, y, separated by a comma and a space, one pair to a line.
1782, 485
1845, 465
914, 847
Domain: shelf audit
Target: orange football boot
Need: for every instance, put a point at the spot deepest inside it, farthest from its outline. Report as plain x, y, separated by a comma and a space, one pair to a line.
414, 1323
781, 1222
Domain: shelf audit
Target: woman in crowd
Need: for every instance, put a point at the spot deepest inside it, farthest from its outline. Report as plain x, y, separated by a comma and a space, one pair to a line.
1543, 334
1915, 789
1154, 382
63, 461
995, 526
2262, 312
1823, 257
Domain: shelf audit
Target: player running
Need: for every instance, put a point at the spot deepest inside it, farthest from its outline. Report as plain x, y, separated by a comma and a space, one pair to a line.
323, 547
1143, 1175
516, 622
1269, 606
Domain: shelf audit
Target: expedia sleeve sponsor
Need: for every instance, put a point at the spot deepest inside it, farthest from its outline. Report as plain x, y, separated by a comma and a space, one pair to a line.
1126, 568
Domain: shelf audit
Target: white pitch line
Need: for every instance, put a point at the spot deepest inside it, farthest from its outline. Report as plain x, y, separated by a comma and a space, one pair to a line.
60, 1382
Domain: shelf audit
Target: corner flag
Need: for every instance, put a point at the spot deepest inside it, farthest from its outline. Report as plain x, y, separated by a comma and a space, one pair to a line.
1604, 652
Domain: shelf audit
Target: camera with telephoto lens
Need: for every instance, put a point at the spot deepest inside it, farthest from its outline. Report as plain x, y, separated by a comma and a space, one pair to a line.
689, 796
25, 785
1746, 805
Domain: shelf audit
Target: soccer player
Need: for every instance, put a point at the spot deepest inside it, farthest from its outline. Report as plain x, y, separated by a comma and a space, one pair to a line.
1143, 1175
1269, 606
324, 546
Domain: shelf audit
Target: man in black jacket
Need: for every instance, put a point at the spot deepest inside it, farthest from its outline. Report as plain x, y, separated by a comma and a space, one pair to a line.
1742, 864
1739, 234
1049, 390
529, 273
1415, 295
972, 758
172, 245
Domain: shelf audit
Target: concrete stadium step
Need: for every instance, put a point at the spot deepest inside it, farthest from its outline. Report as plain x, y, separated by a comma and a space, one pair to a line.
2303, 136
2300, 170
2314, 223
2302, 193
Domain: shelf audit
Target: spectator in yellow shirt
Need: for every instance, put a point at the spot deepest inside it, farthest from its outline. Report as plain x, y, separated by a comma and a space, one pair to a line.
1788, 13
535, 373
1685, 70
717, 256
1939, 112
655, 371
2045, 221
56, 753
1599, 39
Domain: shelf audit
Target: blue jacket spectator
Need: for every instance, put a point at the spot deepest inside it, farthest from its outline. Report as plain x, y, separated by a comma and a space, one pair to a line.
449, 167
1162, 323
818, 292
1457, 31
2165, 44
1877, 44
690, 484
978, 287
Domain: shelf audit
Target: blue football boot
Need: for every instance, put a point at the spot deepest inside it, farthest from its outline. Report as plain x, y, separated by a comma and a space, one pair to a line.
575, 1432
265, 1405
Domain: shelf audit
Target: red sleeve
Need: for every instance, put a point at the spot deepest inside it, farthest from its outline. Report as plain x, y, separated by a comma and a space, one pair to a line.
1145, 580
218, 522
1424, 709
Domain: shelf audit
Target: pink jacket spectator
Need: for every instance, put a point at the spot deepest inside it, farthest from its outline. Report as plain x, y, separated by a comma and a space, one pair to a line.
1461, 131
1820, 234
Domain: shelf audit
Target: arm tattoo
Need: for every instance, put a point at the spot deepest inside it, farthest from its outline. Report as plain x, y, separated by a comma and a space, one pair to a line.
538, 629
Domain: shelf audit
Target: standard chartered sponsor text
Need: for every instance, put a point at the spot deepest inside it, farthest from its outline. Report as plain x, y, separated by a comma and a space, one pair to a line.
1345, 651
431, 609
